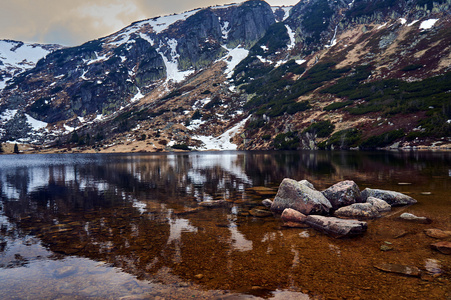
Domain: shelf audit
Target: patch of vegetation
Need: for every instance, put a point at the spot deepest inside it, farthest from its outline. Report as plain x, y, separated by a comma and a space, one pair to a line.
382, 140
317, 18
181, 147
197, 115
411, 68
266, 137
337, 105
321, 129
286, 141
276, 93
344, 139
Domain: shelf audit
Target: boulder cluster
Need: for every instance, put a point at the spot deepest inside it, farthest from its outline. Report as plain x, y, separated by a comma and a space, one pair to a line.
338, 210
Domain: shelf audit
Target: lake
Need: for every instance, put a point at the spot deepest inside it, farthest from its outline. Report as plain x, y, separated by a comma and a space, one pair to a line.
129, 226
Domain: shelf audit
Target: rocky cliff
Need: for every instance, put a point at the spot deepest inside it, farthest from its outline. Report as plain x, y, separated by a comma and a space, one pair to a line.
328, 74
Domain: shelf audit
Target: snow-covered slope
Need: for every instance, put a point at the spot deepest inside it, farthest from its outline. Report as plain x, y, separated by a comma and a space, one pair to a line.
16, 57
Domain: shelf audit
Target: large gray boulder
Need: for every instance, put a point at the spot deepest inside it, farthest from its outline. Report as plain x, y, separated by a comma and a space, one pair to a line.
358, 211
392, 198
300, 197
336, 227
342, 194
379, 204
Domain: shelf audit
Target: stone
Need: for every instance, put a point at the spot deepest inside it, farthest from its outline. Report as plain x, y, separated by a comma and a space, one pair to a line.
342, 194
413, 218
437, 233
292, 194
391, 197
399, 269
267, 203
291, 215
379, 204
213, 203
358, 210
443, 247
307, 183
336, 227
260, 213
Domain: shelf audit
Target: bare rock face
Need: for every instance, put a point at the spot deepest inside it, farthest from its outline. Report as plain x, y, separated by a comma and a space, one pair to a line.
391, 197
336, 227
358, 211
379, 204
342, 194
292, 194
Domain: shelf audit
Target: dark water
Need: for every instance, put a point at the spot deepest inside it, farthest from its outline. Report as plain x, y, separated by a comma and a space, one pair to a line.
130, 227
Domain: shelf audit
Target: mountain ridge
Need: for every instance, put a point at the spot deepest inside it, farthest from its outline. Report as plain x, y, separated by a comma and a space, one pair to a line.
142, 77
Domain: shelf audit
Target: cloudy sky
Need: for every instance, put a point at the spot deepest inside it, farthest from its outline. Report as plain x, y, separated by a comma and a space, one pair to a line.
73, 22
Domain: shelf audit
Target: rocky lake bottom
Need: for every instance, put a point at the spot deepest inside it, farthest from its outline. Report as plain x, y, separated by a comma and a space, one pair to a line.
134, 227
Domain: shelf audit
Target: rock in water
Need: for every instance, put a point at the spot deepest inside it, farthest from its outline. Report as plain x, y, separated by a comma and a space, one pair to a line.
336, 227
391, 197
292, 194
342, 194
213, 203
413, 218
358, 210
379, 204
437, 233
307, 183
260, 213
399, 269
443, 247
267, 203
291, 215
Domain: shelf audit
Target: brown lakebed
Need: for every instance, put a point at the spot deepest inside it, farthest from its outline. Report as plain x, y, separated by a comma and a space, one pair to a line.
112, 226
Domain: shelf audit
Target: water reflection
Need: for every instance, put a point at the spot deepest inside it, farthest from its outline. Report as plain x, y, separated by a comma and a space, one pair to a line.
140, 213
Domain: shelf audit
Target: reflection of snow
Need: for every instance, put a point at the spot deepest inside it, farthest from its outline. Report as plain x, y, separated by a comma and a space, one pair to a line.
238, 240
177, 227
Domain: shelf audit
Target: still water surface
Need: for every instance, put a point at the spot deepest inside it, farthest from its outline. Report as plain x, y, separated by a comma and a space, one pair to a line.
103, 226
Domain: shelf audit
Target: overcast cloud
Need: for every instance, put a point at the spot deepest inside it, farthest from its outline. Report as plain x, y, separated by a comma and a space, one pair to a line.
70, 22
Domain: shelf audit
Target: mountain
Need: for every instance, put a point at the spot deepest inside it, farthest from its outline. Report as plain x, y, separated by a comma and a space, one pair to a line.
328, 74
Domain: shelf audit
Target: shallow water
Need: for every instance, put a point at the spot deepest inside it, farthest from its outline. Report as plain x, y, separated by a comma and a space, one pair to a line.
130, 226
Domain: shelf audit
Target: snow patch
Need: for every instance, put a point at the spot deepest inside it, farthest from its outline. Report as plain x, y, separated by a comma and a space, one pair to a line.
8, 115
286, 10
292, 39
225, 29
402, 21
235, 56
162, 23
428, 24
300, 61
411, 23
137, 97
35, 124
382, 26
172, 65
221, 142
333, 41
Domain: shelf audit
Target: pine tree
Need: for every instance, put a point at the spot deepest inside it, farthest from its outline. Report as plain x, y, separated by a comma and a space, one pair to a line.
1, 148
16, 148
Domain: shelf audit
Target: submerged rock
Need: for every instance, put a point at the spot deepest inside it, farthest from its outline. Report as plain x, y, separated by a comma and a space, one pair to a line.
391, 197
358, 210
336, 227
292, 194
437, 233
399, 269
267, 203
413, 218
443, 247
214, 203
260, 213
379, 204
342, 194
